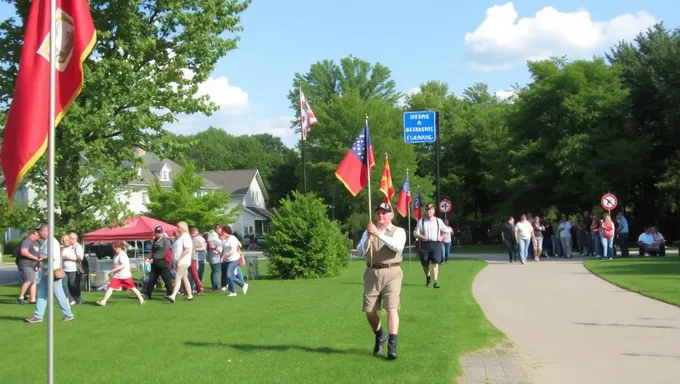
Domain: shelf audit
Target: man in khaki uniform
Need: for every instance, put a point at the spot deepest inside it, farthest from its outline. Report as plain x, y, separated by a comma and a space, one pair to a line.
382, 279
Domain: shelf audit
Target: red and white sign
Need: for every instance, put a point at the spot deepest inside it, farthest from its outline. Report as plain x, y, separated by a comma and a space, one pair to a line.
608, 201
445, 206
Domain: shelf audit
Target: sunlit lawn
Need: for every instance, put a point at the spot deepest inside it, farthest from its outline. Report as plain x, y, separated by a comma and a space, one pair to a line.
656, 277
281, 332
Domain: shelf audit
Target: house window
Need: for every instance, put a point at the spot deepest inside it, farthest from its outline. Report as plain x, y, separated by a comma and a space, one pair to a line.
145, 197
165, 173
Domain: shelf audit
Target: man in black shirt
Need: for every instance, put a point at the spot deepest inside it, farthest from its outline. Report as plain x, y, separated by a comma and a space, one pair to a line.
159, 266
508, 232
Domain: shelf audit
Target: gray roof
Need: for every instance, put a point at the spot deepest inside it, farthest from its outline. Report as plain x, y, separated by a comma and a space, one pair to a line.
152, 171
236, 182
261, 211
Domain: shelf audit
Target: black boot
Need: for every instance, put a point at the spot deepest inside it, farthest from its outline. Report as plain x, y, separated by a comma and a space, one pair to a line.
380, 339
392, 347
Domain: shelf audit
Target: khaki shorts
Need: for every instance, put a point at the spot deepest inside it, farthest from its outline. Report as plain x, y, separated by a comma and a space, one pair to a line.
181, 271
382, 286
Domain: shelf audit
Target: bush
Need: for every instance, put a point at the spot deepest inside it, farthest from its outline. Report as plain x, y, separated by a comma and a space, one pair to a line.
303, 243
11, 247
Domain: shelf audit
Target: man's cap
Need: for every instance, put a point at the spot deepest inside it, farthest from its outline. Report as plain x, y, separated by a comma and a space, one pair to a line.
429, 206
158, 229
387, 207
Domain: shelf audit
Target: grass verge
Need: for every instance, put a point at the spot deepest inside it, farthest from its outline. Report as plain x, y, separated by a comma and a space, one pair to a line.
281, 332
655, 277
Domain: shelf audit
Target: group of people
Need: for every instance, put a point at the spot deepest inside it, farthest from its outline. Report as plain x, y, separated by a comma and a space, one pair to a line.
592, 235
174, 257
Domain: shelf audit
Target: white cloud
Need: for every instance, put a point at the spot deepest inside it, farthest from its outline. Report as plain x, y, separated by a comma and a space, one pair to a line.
413, 91
505, 94
502, 41
229, 98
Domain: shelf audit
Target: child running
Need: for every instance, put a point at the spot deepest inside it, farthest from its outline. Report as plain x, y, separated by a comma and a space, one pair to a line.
121, 275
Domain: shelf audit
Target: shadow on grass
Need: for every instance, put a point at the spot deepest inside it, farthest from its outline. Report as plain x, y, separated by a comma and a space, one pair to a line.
402, 284
12, 318
627, 325
277, 348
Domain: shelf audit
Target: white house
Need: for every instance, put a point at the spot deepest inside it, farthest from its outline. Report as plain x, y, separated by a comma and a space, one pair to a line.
247, 191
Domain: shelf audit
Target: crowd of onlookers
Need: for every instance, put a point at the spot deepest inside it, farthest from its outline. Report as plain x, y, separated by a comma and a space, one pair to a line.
177, 258
588, 235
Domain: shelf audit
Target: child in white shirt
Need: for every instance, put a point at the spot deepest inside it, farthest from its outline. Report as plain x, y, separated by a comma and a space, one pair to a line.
121, 275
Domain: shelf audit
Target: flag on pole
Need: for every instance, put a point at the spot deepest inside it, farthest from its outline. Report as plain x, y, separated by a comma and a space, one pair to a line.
417, 204
28, 121
386, 186
404, 197
354, 167
307, 118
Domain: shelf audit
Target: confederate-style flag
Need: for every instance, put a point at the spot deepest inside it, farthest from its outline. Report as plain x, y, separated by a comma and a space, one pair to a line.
404, 197
307, 118
386, 186
354, 167
25, 137
417, 205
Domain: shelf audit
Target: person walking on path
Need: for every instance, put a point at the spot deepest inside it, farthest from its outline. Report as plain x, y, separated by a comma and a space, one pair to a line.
57, 286
622, 234
181, 250
537, 240
159, 263
429, 231
446, 244
29, 255
121, 275
383, 278
524, 233
607, 237
508, 234
565, 236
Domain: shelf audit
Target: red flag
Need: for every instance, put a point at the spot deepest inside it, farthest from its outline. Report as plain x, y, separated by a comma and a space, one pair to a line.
353, 169
404, 197
307, 118
386, 186
25, 137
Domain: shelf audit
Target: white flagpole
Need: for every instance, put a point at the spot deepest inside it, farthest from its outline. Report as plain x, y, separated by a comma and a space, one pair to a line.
50, 194
408, 235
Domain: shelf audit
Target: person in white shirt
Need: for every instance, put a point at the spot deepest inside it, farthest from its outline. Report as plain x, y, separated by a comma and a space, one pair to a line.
231, 254
430, 231
651, 242
214, 244
43, 279
181, 251
524, 232
68, 257
121, 275
565, 236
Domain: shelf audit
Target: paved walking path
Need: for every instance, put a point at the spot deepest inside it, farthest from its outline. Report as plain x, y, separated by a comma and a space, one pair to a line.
570, 326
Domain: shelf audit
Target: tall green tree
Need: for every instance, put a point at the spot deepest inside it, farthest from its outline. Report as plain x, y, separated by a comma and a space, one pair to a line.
145, 68
184, 201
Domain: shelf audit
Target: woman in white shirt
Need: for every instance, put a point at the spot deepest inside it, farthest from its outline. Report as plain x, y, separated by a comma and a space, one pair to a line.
231, 254
68, 255
121, 275
181, 252
524, 232
43, 281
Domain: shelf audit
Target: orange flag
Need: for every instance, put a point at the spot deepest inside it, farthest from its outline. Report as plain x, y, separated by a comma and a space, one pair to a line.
25, 137
386, 186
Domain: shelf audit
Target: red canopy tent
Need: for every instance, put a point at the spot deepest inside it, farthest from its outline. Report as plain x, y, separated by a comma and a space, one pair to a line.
135, 228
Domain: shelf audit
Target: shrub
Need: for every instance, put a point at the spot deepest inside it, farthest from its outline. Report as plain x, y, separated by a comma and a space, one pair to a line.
11, 247
303, 243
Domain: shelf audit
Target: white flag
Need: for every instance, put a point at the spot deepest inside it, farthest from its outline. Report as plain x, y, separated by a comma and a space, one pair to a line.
307, 118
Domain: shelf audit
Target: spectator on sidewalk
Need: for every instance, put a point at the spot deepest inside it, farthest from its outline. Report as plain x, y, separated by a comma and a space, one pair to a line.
648, 245
622, 234
446, 243
565, 236
508, 234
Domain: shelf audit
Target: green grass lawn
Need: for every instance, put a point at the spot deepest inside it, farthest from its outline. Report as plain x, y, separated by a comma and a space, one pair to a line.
307, 331
477, 249
655, 277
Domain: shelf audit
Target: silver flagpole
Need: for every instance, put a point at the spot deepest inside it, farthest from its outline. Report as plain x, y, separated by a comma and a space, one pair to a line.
50, 195
408, 235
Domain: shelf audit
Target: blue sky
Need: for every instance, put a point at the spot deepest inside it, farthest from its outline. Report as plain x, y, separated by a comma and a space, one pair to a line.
418, 41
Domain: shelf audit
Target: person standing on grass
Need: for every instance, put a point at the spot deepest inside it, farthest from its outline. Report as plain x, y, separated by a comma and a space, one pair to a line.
29, 255
197, 259
181, 250
159, 264
231, 255
57, 286
429, 231
383, 242
508, 234
446, 244
524, 233
121, 275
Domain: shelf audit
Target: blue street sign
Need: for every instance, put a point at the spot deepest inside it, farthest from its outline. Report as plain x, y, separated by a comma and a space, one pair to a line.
419, 127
